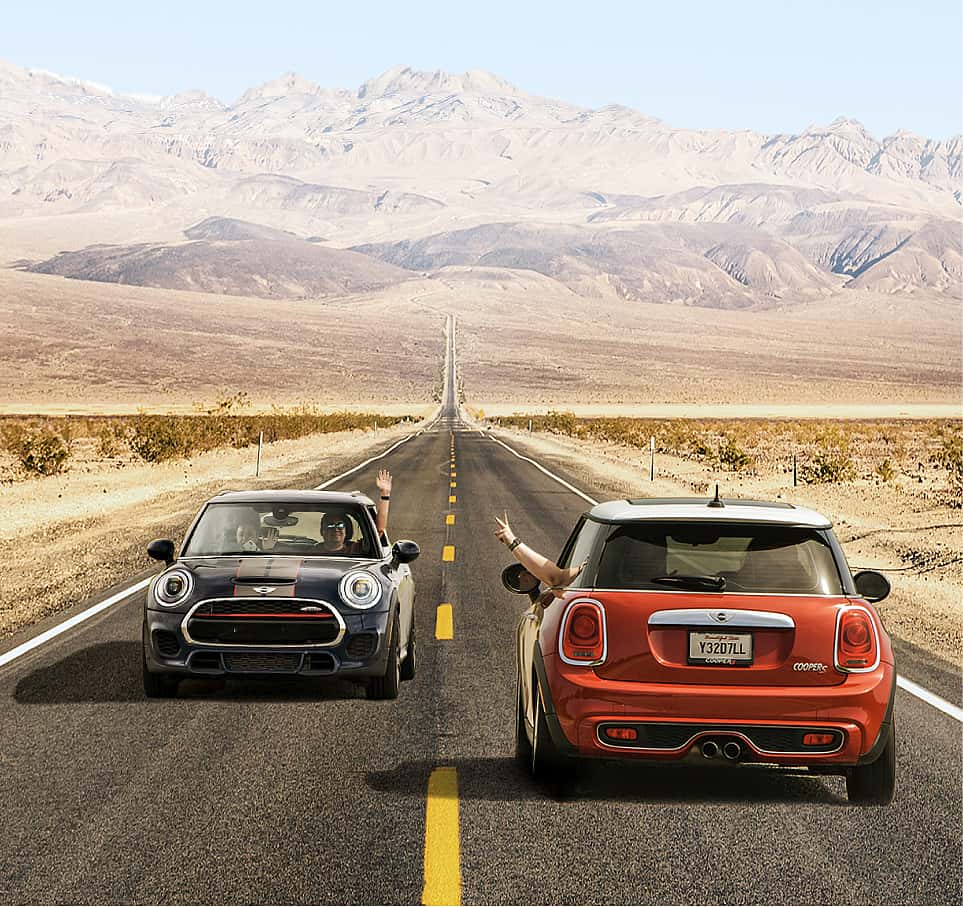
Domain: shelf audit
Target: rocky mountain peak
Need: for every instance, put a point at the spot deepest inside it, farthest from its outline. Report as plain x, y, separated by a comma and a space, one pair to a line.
287, 84
403, 80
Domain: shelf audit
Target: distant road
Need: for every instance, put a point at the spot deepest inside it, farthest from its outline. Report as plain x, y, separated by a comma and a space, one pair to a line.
256, 792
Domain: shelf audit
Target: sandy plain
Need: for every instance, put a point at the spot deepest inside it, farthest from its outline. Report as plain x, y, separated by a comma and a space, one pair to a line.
521, 337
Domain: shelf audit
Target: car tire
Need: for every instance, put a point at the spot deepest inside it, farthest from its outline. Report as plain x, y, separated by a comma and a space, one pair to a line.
410, 663
874, 784
388, 685
159, 686
523, 746
547, 764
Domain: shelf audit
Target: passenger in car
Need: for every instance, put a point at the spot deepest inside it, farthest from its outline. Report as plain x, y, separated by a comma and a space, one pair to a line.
250, 535
555, 577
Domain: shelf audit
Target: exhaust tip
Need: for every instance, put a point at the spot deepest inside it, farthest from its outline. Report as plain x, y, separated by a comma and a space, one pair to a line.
732, 750
710, 749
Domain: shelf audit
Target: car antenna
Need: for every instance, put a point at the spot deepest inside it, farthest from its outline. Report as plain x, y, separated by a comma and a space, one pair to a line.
716, 501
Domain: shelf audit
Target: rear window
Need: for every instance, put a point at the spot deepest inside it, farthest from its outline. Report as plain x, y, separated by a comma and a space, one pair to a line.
723, 557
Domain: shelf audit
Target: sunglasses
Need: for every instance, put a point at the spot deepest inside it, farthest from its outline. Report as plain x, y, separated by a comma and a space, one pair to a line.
334, 526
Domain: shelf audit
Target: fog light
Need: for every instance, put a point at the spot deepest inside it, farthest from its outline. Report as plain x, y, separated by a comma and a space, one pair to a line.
818, 739
621, 733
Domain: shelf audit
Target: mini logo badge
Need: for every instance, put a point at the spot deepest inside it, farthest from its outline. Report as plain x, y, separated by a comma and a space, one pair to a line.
720, 617
312, 609
264, 590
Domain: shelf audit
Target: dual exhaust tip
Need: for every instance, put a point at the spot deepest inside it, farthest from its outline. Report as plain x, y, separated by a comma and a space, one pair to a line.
730, 749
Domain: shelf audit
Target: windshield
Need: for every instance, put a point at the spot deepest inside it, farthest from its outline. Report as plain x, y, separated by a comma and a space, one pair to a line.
282, 529
718, 557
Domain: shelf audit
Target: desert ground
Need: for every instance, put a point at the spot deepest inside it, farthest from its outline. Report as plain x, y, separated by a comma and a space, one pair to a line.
523, 339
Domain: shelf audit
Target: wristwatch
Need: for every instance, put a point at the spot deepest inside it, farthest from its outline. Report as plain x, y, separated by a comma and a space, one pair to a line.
515, 544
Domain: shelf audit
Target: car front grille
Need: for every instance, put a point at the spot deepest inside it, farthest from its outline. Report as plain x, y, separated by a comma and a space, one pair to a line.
262, 662
264, 622
766, 738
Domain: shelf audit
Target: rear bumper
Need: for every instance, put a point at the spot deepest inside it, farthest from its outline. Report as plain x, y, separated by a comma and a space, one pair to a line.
578, 702
206, 660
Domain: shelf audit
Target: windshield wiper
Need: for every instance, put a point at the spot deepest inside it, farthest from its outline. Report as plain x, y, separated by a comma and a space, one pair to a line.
709, 583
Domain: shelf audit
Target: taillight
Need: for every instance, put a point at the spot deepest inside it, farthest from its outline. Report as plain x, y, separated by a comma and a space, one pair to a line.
818, 739
583, 633
857, 648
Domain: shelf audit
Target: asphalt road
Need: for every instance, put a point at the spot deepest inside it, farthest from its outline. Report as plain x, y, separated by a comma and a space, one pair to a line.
305, 792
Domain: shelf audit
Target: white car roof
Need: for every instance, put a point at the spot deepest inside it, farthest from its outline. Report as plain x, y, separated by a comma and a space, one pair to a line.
699, 509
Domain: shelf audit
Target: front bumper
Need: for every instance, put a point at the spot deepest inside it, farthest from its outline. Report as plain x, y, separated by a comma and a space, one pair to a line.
162, 631
672, 720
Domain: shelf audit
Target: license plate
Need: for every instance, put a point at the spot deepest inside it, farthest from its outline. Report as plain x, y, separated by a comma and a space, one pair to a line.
720, 649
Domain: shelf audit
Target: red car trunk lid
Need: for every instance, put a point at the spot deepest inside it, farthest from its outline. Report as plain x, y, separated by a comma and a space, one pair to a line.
653, 637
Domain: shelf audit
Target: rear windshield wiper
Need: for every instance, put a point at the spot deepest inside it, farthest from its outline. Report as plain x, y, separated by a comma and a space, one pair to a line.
710, 583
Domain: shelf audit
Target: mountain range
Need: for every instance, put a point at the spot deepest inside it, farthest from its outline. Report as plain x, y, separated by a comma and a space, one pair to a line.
334, 190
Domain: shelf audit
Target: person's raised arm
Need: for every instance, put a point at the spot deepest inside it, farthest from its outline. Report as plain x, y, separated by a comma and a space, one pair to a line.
537, 564
384, 488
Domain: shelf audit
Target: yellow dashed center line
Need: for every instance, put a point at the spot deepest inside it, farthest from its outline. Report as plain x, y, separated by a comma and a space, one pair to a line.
454, 474
448, 553
442, 847
444, 622
450, 519
451, 499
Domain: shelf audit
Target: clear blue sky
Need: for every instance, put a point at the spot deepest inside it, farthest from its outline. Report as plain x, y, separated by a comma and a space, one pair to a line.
738, 64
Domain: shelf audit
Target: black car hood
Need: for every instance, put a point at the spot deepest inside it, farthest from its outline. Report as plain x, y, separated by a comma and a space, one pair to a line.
273, 577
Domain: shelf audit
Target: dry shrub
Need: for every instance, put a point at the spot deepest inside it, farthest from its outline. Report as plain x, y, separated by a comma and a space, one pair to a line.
886, 470
950, 457
40, 450
829, 457
112, 438
731, 456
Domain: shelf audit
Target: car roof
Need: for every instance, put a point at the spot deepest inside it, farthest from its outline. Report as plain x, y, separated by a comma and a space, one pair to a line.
699, 509
293, 496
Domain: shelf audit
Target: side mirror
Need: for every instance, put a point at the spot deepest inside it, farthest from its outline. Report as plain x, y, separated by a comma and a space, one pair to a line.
872, 586
515, 578
162, 550
404, 552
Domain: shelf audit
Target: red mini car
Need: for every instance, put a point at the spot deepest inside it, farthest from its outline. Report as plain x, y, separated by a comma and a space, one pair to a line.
728, 630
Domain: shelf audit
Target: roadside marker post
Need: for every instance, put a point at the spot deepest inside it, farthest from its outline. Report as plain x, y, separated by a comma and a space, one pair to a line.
260, 442
652, 458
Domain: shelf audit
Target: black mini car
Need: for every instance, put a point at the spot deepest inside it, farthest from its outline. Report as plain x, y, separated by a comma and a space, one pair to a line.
282, 582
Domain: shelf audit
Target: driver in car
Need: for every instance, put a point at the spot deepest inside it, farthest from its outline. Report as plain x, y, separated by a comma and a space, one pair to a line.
336, 526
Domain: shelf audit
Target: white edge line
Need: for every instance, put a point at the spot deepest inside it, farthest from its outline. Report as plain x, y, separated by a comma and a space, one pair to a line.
937, 702
31, 644
913, 689
541, 468
93, 610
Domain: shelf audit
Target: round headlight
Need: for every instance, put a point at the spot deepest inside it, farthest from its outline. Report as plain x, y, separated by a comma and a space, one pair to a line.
360, 589
173, 588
